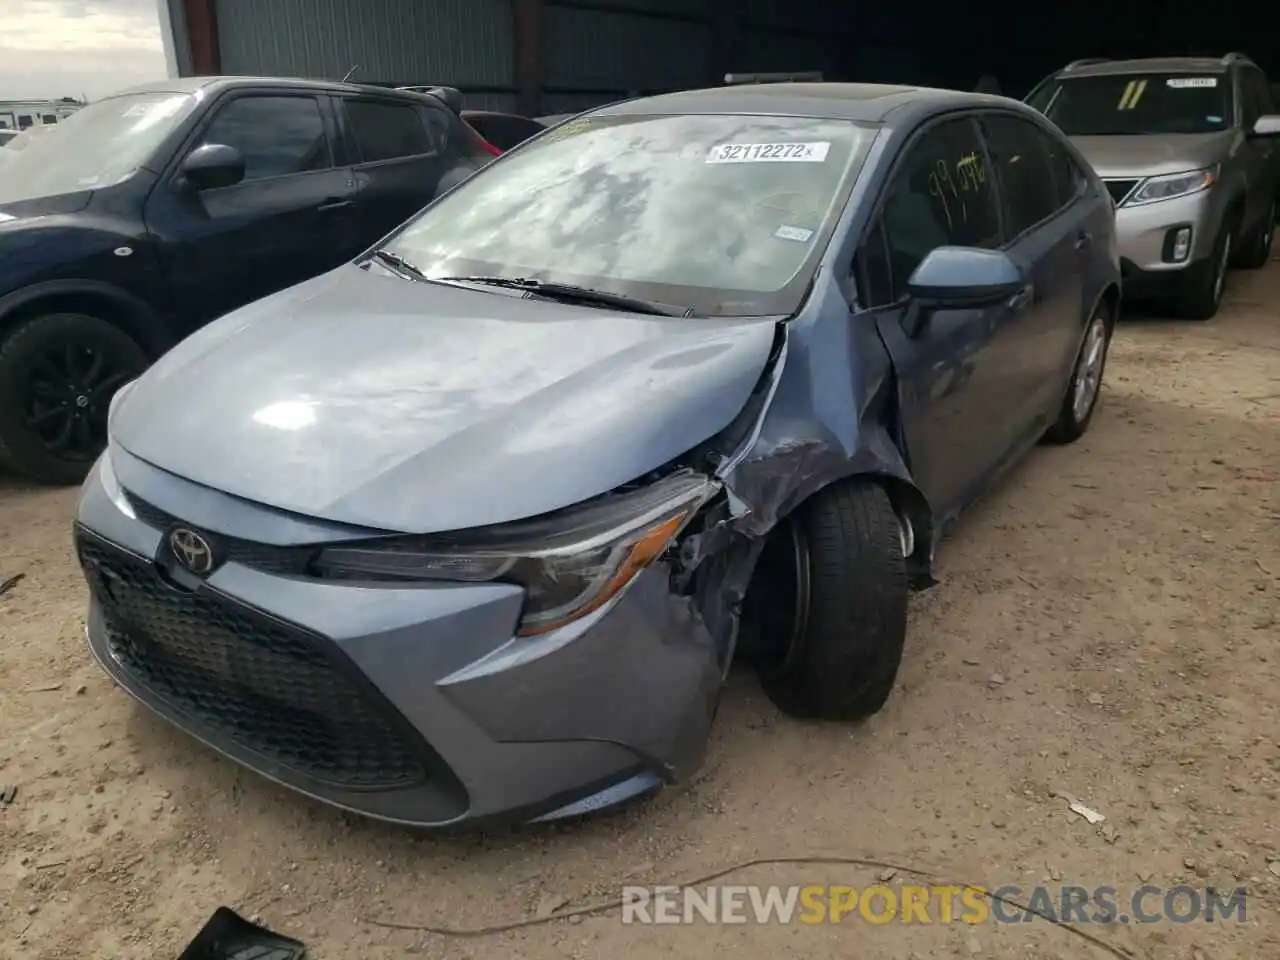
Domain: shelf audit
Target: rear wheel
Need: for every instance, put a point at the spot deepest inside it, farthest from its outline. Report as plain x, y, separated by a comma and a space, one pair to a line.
58, 373
1086, 380
828, 605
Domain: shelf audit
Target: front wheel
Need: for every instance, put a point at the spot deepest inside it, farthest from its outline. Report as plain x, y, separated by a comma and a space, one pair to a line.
1257, 251
1085, 385
58, 373
1207, 281
828, 604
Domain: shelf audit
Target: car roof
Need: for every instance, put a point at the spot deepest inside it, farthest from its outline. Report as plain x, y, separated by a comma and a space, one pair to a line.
859, 102
1149, 65
215, 85
497, 113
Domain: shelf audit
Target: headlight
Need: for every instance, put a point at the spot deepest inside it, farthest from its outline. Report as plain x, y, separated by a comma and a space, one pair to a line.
1172, 185
570, 563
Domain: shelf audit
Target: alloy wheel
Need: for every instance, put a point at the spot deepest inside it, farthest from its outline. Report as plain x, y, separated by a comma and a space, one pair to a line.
1088, 378
67, 393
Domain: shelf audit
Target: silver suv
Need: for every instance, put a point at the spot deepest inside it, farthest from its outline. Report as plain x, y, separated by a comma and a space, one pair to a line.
1186, 146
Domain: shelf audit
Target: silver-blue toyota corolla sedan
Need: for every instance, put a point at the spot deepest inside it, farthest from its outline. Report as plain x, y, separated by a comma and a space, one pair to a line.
471, 528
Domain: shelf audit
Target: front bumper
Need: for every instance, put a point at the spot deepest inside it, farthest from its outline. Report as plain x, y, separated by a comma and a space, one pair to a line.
1144, 237
410, 704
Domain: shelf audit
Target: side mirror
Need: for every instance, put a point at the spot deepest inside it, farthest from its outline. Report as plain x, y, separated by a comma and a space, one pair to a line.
958, 278
1266, 126
964, 277
213, 165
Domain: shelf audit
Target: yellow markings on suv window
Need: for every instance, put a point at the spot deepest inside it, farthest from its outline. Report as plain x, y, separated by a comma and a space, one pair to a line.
1133, 92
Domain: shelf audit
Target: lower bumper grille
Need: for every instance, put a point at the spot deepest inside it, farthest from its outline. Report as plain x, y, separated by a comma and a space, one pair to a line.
266, 686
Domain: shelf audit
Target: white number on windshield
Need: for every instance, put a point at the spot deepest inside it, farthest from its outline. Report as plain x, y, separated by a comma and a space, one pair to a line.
815, 152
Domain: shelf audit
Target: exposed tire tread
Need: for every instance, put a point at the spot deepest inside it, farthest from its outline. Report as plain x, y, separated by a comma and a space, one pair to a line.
857, 609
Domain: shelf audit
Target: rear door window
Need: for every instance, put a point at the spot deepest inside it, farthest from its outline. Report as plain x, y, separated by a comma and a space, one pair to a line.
387, 131
1024, 163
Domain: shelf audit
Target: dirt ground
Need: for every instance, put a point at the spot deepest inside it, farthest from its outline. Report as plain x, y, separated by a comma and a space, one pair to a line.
1106, 627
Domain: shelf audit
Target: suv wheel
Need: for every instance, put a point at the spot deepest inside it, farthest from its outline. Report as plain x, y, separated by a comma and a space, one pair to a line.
1207, 281
1258, 250
58, 373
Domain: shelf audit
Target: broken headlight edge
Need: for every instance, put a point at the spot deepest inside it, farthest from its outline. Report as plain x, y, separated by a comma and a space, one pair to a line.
570, 563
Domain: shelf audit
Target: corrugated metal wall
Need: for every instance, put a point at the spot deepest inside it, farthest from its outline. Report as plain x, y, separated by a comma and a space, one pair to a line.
614, 52
592, 51
464, 43
787, 36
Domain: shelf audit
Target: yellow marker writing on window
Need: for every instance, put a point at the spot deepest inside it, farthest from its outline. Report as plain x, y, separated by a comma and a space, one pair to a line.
1133, 92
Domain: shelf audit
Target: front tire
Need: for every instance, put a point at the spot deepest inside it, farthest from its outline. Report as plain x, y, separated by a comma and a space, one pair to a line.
58, 373
829, 604
1207, 282
1085, 385
1258, 250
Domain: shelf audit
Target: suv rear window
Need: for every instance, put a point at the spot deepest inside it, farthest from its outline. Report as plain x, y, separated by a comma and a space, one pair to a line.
1138, 103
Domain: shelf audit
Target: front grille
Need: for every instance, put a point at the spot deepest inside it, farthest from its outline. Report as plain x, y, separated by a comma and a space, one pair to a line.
1119, 189
276, 690
282, 561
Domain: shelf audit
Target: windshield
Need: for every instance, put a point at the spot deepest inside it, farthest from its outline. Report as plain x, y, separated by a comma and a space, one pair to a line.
96, 146
1138, 103
726, 215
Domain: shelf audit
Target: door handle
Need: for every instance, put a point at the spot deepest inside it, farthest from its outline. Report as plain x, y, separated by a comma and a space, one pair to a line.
1083, 240
1022, 299
334, 204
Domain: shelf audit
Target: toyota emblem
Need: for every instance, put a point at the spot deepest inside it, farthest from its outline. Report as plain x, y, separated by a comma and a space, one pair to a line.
192, 550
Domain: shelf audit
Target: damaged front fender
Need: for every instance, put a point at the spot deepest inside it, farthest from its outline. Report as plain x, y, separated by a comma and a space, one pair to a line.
824, 410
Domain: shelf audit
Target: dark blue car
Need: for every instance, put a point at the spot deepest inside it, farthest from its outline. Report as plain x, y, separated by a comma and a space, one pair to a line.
472, 526
150, 212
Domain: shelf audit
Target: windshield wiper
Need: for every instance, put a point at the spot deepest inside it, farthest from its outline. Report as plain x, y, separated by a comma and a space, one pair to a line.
572, 293
398, 264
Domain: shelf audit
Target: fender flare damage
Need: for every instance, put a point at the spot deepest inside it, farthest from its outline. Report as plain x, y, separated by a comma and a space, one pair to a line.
777, 454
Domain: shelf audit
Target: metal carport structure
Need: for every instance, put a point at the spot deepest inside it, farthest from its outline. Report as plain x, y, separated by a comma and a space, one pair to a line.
531, 56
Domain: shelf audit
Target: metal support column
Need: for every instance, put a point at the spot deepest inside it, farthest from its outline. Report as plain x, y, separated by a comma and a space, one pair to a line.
202, 31
726, 21
528, 65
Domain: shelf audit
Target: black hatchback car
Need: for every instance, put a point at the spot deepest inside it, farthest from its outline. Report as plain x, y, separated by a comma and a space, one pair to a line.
149, 213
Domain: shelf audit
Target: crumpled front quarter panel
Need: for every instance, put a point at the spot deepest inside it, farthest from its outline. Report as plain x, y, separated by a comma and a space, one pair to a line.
829, 416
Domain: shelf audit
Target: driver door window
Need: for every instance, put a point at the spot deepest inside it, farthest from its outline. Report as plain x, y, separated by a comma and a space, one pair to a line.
1257, 96
277, 136
942, 195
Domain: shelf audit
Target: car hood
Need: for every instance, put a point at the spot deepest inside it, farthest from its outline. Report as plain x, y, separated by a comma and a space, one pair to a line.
58, 205
366, 399
1150, 155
